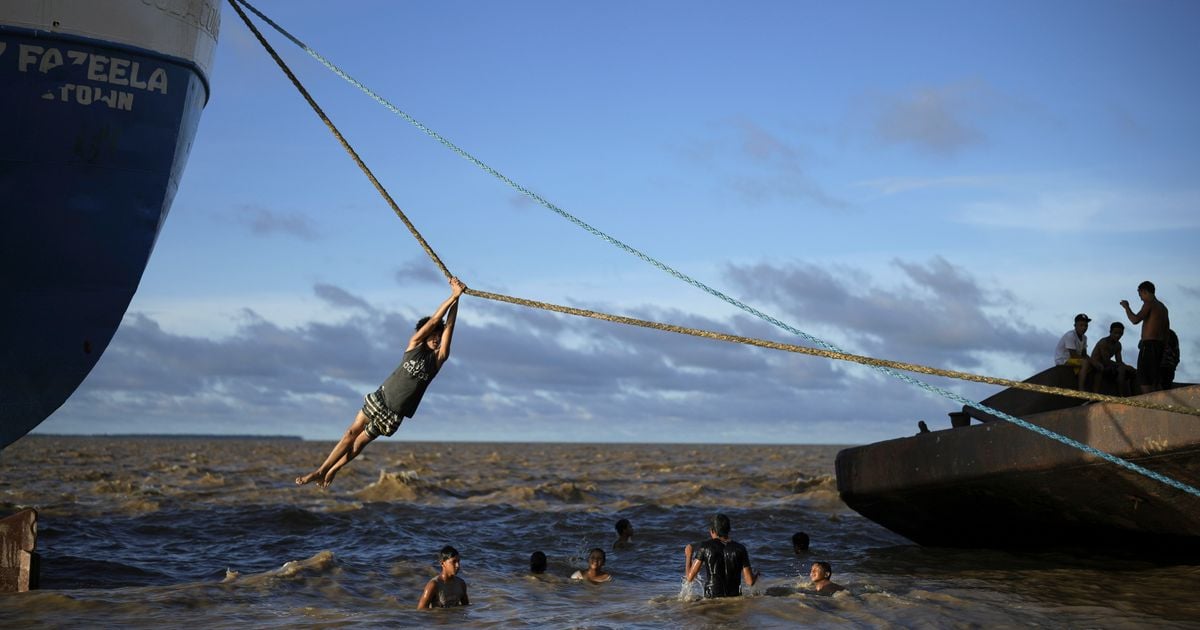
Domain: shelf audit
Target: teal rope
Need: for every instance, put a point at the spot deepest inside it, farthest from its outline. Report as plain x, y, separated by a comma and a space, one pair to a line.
704, 287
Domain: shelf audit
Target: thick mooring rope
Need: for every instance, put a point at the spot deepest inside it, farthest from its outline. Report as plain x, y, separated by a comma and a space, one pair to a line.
830, 351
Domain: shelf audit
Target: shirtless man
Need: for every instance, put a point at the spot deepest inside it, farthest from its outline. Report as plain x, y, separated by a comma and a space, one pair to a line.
1154, 334
820, 574
1108, 353
447, 589
595, 572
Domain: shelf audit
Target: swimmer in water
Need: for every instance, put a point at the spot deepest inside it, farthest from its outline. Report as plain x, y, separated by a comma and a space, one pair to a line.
595, 572
799, 543
725, 562
537, 563
820, 574
384, 409
447, 589
624, 534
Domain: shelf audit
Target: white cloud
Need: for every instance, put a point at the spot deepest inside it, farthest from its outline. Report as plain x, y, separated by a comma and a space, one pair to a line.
504, 379
520, 374
1089, 210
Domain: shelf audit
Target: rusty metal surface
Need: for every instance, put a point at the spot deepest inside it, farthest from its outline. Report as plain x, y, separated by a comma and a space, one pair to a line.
1021, 403
18, 557
998, 485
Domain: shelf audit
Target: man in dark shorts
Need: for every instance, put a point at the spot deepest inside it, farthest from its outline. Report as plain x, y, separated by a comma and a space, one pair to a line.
1156, 322
384, 409
724, 561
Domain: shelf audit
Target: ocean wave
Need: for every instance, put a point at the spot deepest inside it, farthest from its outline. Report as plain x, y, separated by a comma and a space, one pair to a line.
684, 493
566, 493
139, 506
817, 490
132, 497
405, 486
812, 483
210, 479
543, 495
320, 563
116, 486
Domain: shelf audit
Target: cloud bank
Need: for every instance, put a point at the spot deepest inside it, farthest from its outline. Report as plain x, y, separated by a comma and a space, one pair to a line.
517, 373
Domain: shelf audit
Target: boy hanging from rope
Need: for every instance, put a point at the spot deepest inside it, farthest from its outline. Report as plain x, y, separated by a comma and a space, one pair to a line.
384, 409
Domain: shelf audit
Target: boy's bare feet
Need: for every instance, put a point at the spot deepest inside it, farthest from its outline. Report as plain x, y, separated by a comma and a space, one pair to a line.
324, 483
309, 478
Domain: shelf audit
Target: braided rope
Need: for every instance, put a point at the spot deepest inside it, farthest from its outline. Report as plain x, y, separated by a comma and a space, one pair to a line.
830, 351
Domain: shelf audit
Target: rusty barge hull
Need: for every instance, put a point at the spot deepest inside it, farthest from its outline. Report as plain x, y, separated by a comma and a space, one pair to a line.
998, 485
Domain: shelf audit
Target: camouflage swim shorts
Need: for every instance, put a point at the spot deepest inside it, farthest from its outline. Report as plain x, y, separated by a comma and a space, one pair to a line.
380, 419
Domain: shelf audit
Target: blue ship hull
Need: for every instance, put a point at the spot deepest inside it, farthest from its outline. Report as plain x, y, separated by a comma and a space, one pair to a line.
93, 140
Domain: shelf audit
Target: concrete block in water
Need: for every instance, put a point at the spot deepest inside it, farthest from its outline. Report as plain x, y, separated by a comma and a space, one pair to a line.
18, 558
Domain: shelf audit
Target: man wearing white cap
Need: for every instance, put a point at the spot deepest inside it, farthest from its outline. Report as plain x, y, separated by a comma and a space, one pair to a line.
1072, 350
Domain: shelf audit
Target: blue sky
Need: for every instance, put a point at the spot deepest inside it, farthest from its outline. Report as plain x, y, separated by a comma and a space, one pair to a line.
932, 182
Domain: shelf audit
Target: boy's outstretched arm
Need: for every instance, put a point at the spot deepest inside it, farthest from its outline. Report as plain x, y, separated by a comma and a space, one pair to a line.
456, 290
447, 334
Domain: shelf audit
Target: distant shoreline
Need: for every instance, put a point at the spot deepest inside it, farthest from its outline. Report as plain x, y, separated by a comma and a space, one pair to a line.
202, 436
168, 436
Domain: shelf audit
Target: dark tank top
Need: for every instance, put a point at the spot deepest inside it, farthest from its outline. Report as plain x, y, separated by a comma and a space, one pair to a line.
402, 391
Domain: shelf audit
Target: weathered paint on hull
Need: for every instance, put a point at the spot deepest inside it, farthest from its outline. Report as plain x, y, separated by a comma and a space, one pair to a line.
997, 485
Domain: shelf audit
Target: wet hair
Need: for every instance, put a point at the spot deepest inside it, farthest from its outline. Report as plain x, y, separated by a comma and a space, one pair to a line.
800, 541
597, 554
623, 525
537, 562
1147, 286
447, 553
421, 322
825, 566
720, 525
1116, 326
